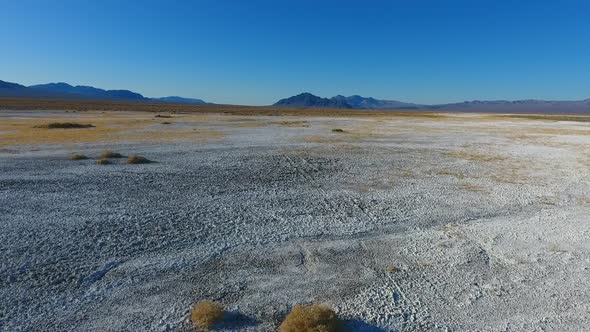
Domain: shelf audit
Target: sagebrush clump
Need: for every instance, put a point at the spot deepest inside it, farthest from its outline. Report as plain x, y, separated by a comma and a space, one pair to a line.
110, 154
65, 125
206, 313
103, 161
138, 160
78, 157
311, 318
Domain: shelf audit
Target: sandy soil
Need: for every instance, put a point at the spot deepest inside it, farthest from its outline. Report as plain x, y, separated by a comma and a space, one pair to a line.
438, 222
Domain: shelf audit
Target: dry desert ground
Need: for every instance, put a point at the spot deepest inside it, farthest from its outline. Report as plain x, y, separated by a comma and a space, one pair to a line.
399, 222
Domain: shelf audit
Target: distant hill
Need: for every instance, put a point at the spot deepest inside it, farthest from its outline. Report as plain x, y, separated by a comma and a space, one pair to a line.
304, 100
90, 92
517, 106
63, 90
9, 85
357, 101
307, 100
8, 89
180, 100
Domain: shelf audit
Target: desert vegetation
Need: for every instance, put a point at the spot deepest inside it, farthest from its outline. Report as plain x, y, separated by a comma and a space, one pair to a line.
337, 130
134, 159
206, 314
103, 161
110, 154
78, 157
64, 125
311, 318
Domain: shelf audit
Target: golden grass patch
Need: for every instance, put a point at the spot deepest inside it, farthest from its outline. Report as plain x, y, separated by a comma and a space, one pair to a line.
470, 187
205, 314
78, 157
103, 161
451, 173
110, 127
311, 318
134, 159
474, 156
294, 123
110, 154
550, 117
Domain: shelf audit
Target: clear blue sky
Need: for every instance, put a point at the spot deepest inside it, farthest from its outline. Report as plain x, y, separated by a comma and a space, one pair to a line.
255, 52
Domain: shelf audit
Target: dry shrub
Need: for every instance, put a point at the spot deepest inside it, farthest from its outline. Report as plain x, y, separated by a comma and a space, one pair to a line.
78, 157
138, 160
337, 130
166, 122
294, 123
206, 313
391, 268
103, 161
64, 125
110, 154
311, 318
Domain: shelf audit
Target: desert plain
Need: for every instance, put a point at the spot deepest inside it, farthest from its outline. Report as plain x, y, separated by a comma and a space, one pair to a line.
399, 221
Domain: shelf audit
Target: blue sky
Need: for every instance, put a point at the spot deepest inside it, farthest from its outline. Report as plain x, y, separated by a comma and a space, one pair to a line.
255, 52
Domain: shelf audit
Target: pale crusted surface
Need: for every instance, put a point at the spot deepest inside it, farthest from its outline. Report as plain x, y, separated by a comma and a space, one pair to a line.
454, 222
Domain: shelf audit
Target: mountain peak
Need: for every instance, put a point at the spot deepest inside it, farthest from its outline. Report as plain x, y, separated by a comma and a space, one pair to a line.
10, 85
62, 90
308, 100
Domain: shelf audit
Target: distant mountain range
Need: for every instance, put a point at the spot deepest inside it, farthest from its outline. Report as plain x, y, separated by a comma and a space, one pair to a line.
303, 100
308, 100
67, 91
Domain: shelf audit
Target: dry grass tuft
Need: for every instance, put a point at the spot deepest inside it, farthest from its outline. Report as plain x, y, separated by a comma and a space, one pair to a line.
451, 173
391, 268
166, 122
551, 117
337, 130
470, 187
103, 161
310, 318
138, 160
294, 123
474, 156
78, 157
110, 154
64, 125
206, 313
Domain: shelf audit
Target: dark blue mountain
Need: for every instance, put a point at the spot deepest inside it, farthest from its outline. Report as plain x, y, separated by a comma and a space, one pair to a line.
357, 101
180, 100
65, 90
9, 85
307, 100
9, 89
90, 92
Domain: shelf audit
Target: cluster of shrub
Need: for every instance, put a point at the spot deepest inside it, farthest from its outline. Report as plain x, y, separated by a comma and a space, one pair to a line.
104, 158
302, 318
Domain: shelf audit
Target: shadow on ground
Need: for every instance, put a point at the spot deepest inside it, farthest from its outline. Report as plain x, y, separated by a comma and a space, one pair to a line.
355, 325
233, 320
